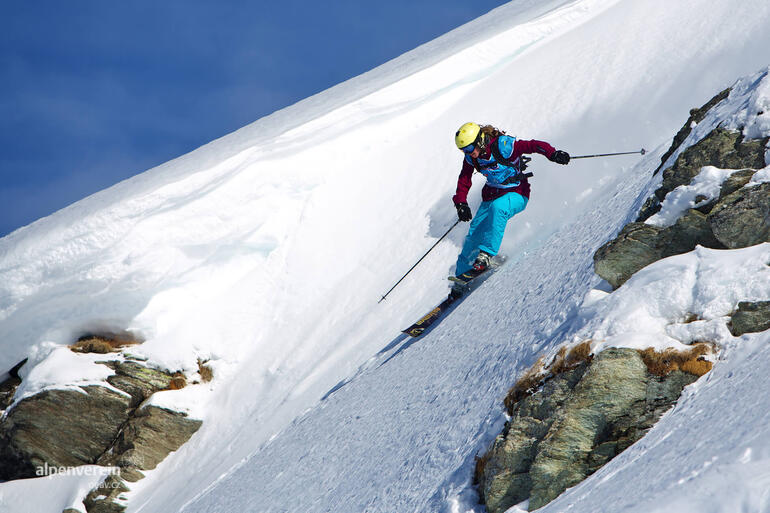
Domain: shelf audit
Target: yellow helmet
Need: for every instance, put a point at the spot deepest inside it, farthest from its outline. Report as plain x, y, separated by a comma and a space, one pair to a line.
467, 134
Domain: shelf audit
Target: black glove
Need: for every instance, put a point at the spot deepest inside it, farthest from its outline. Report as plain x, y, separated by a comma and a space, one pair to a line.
463, 212
560, 157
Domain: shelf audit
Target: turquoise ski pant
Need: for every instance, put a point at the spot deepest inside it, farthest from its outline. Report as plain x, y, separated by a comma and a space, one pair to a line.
488, 227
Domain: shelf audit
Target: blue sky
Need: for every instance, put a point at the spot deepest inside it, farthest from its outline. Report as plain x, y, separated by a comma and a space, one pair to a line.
95, 91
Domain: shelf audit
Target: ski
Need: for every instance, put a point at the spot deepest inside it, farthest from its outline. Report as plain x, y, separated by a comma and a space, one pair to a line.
417, 329
468, 280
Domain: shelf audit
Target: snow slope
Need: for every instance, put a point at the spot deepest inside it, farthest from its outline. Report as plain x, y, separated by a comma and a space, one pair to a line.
266, 252
403, 433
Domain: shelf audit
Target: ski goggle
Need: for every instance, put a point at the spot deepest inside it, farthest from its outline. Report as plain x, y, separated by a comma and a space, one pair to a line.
469, 149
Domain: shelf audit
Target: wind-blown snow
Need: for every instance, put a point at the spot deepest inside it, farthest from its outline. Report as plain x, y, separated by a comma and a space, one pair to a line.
266, 252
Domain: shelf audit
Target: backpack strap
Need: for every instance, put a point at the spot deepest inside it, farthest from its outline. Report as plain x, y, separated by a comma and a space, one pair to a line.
519, 166
495, 149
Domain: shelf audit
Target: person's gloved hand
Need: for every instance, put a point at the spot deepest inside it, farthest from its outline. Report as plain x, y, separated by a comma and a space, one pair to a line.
463, 212
560, 157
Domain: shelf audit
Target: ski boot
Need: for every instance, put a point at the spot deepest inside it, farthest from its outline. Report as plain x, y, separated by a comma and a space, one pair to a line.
460, 285
482, 262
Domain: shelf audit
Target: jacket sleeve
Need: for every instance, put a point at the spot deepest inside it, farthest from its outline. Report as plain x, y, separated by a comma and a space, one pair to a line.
464, 182
532, 146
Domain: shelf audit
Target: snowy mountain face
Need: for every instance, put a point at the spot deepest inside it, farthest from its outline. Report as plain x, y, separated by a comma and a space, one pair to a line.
265, 252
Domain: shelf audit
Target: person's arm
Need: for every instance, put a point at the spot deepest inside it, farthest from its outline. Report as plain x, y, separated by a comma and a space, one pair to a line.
534, 146
460, 199
464, 182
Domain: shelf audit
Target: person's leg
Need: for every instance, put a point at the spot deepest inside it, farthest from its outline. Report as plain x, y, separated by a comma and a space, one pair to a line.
500, 212
488, 227
471, 245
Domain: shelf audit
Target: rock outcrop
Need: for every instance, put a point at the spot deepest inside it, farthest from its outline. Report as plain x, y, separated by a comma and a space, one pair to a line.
571, 426
742, 218
99, 425
640, 244
696, 116
738, 218
60, 428
144, 441
721, 148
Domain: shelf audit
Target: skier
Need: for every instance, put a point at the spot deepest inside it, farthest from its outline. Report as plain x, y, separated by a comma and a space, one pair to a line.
499, 158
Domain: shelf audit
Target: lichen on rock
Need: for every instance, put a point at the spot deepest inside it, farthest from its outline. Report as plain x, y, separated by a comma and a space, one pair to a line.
577, 421
742, 218
96, 424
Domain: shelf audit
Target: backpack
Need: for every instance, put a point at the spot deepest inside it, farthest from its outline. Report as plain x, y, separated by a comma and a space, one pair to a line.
499, 159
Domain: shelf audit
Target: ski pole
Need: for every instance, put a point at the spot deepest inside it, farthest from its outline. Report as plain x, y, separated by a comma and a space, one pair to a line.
642, 151
420, 260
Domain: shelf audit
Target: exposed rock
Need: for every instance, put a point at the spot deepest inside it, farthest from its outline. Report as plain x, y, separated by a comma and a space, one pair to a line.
106, 497
751, 317
640, 244
96, 425
574, 424
151, 434
696, 116
690, 230
616, 379
721, 148
62, 428
742, 219
651, 207
636, 246
735, 181
137, 380
607, 410
504, 478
